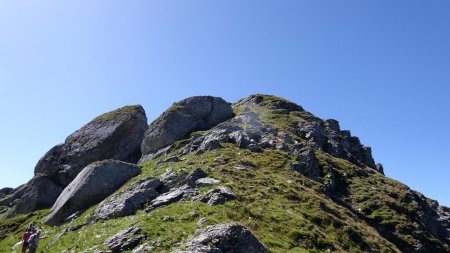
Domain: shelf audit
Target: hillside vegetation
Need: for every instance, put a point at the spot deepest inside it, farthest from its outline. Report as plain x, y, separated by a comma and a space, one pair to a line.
296, 182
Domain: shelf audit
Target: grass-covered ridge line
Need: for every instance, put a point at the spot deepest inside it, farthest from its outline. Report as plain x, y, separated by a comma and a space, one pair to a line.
286, 211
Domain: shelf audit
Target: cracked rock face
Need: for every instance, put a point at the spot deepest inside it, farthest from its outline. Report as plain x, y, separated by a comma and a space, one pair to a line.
184, 117
96, 182
224, 238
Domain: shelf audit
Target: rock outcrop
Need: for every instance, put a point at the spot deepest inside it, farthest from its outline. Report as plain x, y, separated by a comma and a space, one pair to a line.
194, 176
184, 117
124, 240
5, 191
115, 135
224, 238
15, 194
327, 136
307, 164
207, 181
96, 182
41, 193
173, 195
217, 196
129, 201
244, 131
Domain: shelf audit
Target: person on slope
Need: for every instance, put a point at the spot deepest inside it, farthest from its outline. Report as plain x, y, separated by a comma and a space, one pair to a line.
34, 240
25, 238
31, 228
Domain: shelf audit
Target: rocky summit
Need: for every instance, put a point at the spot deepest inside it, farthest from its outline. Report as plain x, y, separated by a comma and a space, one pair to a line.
208, 176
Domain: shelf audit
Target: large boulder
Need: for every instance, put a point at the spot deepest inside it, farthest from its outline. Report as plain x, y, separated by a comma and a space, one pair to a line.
5, 191
41, 193
129, 201
224, 238
115, 135
184, 117
94, 183
17, 193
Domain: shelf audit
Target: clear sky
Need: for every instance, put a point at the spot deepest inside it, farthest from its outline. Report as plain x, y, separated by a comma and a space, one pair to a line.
382, 68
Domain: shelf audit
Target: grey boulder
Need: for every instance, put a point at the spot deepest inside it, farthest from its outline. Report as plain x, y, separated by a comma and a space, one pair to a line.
95, 182
5, 191
184, 117
195, 175
174, 195
206, 181
129, 201
143, 248
217, 196
41, 193
231, 238
17, 193
124, 240
115, 135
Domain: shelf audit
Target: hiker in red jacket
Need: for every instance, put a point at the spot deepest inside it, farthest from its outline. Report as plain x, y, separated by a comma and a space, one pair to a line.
25, 238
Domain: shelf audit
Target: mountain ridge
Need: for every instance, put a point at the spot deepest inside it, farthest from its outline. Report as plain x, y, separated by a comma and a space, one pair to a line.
296, 182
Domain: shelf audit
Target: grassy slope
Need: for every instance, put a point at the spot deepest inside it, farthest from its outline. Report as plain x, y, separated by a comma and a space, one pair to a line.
285, 210
285, 216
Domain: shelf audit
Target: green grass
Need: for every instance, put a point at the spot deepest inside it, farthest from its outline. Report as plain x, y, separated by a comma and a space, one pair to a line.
123, 113
280, 213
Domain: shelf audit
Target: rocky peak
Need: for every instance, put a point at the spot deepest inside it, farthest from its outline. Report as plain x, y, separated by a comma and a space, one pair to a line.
255, 128
325, 135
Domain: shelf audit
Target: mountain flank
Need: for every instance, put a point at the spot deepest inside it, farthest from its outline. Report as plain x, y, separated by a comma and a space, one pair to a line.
258, 175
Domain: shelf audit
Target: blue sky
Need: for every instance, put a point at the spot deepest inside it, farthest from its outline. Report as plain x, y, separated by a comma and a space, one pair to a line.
380, 67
